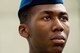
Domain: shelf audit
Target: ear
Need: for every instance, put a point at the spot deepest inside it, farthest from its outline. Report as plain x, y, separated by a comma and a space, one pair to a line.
23, 30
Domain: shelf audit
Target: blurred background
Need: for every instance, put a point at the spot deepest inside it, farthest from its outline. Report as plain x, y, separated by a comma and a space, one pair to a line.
12, 42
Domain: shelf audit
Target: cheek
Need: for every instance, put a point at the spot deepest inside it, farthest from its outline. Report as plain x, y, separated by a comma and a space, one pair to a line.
40, 30
40, 33
66, 28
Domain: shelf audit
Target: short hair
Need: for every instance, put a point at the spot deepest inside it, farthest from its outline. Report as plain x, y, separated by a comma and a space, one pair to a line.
23, 15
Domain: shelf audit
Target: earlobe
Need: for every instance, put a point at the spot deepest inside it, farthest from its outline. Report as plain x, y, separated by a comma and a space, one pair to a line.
23, 30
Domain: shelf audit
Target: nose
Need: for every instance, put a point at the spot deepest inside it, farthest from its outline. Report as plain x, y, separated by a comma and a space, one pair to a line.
57, 26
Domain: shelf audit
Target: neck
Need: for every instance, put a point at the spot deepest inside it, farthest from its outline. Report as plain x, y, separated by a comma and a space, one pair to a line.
33, 51
36, 50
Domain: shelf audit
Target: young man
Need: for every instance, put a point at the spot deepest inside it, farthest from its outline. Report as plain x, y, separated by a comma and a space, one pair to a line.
44, 23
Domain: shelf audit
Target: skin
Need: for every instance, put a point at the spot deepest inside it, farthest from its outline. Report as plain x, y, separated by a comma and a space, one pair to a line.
47, 30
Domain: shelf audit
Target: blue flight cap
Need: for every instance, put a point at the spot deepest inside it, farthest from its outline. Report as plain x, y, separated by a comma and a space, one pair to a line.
28, 3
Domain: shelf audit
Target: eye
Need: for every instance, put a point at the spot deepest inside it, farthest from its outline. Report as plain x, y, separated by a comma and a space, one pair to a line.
64, 18
46, 18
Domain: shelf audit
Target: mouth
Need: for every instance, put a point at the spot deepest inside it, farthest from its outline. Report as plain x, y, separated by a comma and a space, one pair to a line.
58, 40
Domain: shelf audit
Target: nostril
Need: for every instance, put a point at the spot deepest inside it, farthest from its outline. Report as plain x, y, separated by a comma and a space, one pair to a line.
61, 29
58, 29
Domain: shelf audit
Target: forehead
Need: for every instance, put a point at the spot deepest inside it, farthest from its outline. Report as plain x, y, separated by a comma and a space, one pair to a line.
48, 7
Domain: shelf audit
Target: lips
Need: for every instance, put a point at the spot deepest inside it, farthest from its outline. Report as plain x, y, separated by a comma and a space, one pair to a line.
58, 40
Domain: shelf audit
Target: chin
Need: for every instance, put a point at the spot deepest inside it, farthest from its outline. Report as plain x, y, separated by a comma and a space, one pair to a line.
57, 49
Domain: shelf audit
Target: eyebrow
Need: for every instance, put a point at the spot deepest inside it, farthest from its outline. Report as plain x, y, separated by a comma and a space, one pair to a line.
48, 12
51, 12
63, 13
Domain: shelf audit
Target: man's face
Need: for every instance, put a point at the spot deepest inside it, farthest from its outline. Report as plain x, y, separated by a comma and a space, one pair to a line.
48, 28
